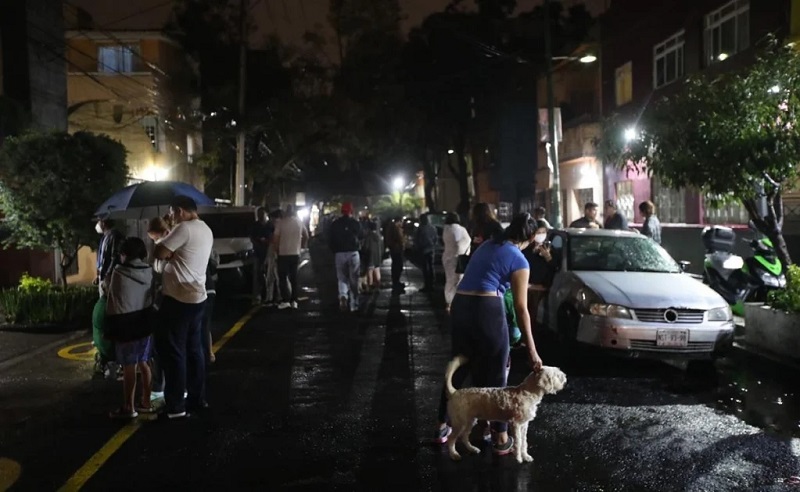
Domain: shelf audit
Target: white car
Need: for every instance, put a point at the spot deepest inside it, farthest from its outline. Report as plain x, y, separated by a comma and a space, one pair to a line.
621, 291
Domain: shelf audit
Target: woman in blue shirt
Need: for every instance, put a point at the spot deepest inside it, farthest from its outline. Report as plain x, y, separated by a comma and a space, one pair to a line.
479, 321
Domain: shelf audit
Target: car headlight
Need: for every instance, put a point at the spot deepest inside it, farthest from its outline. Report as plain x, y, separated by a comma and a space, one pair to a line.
720, 314
610, 311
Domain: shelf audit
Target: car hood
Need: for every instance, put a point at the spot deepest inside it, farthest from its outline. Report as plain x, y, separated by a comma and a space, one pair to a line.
232, 245
647, 290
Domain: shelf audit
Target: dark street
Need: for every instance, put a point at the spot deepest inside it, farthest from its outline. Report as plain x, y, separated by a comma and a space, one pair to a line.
318, 400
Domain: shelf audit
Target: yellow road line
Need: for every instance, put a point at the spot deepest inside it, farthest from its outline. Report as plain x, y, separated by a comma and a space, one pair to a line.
234, 329
87, 471
79, 479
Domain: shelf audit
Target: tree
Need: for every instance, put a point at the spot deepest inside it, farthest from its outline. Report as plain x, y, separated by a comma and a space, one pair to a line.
397, 204
51, 185
734, 137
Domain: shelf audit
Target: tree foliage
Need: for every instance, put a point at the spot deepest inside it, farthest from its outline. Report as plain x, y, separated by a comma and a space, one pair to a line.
732, 136
52, 183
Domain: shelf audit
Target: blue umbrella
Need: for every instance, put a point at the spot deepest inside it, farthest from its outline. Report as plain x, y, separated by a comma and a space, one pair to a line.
149, 199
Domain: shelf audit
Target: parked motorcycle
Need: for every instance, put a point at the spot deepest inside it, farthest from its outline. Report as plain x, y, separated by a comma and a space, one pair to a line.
737, 279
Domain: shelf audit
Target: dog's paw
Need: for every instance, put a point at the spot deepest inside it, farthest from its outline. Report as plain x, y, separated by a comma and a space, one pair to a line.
527, 458
455, 456
474, 450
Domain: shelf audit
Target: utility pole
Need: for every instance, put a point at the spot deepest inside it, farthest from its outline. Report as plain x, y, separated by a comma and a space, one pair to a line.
552, 136
240, 137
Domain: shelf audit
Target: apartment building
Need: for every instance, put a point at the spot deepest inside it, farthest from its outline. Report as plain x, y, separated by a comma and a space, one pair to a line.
647, 50
134, 85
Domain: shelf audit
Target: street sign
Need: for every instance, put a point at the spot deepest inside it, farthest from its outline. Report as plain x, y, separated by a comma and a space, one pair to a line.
544, 132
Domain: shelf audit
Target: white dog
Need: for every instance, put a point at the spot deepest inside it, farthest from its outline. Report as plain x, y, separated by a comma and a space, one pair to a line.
517, 405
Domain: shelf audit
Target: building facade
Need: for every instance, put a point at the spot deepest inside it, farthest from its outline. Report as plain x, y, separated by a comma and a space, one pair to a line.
648, 48
126, 84
33, 92
576, 96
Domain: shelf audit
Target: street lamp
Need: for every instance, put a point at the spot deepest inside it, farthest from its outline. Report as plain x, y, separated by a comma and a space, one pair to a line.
552, 137
451, 151
630, 134
398, 183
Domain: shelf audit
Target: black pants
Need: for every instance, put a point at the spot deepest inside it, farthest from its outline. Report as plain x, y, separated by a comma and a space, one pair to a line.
179, 344
480, 332
427, 268
287, 277
397, 265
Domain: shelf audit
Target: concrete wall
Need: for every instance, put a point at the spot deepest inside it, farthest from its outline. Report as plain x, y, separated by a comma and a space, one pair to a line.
773, 331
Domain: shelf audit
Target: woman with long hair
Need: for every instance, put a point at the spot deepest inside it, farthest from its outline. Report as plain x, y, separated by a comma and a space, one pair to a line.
480, 329
484, 224
456, 243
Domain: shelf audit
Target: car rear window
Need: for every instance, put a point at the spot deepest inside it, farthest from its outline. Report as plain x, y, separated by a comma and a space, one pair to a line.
230, 225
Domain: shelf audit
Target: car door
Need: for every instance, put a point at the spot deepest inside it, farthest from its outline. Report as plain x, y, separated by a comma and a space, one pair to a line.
548, 310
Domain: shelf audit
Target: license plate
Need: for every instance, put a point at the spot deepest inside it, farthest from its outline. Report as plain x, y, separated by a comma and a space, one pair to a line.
672, 338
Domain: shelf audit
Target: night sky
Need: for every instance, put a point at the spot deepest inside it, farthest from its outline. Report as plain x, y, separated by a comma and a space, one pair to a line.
289, 19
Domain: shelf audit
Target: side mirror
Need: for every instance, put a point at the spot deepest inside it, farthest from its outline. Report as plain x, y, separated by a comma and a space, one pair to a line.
557, 242
684, 265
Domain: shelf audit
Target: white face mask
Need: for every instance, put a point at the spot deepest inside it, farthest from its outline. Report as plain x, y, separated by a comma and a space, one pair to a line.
98, 228
539, 238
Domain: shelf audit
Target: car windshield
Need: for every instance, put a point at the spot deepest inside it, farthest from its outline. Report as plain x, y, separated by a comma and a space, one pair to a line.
619, 254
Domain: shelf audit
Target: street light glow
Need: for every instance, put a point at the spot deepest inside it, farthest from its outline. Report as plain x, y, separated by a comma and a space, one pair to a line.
398, 183
630, 134
587, 59
722, 56
775, 89
451, 151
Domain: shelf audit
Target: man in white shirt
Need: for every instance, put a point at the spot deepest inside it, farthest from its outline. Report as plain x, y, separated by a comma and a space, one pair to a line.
290, 237
186, 251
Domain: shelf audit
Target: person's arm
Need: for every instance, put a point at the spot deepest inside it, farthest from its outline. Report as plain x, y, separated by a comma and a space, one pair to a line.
276, 237
167, 246
303, 236
646, 228
519, 288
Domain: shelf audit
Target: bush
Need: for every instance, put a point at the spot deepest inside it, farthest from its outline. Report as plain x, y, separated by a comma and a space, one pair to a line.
37, 301
787, 299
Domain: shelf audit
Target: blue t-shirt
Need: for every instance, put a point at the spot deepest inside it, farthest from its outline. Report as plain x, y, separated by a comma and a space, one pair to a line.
490, 267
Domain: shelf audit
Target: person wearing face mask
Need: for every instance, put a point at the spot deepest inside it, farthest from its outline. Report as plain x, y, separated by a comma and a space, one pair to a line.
542, 268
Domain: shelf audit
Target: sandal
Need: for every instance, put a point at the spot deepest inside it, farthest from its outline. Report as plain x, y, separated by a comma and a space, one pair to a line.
122, 414
503, 449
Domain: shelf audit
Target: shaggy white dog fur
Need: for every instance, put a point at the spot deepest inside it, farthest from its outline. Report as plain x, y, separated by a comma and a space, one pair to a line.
516, 404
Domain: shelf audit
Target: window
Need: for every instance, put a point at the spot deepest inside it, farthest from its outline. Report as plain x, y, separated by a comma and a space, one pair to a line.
727, 30
732, 213
624, 84
668, 60
115, 59
625, 199
670, 203
584, 196
150, 125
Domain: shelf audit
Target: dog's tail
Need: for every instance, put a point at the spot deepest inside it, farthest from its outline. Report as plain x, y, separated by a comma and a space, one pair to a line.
452, 367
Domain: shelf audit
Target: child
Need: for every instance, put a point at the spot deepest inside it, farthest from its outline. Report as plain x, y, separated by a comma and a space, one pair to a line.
130, 297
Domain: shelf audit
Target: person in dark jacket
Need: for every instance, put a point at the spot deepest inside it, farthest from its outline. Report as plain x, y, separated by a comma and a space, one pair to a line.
614, 219
396, 243
542, 269
589, 219
345, 242
108, 250
425, 241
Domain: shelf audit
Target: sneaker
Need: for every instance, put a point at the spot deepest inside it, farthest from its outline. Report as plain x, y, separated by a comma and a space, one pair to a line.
122, 414
148, 410
343, 304
503, 449
177, 415
294, 304
284, 305
441, 435
156, 395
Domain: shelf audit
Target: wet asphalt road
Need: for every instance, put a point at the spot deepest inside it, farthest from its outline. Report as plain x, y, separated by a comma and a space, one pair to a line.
318, 400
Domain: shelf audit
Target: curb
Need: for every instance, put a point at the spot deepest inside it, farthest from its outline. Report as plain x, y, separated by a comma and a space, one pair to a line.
44, 348
755, 352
